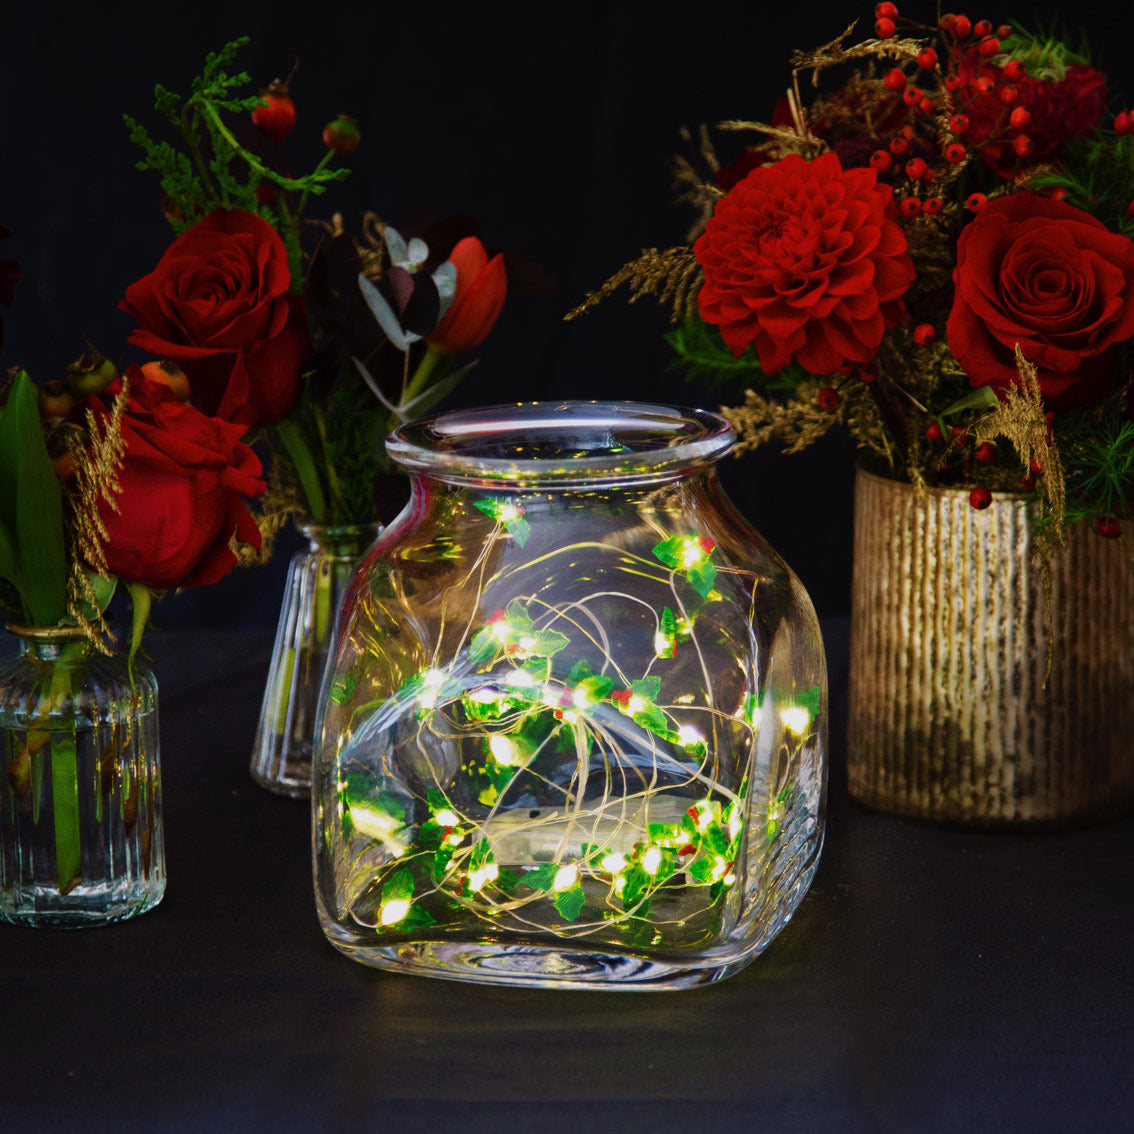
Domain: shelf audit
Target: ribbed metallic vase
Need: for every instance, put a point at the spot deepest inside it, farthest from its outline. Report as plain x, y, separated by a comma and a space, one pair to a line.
953, 715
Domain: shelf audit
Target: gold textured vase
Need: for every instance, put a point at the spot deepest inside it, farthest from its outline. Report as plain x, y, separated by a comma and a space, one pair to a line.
953, 715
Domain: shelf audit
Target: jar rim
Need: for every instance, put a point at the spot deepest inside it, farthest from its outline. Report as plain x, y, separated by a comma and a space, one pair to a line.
46, 633
562, 444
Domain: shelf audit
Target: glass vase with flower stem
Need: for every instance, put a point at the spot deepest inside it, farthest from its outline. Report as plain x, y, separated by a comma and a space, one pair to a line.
573, 732
81, 836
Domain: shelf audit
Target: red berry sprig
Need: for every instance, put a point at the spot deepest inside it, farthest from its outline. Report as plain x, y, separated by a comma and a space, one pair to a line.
980, 497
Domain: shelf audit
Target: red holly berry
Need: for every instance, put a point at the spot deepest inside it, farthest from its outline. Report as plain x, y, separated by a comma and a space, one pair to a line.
1004, 31
980, 497
1023, 145
933, 431
884, 28
916, 168
989, 47
983, 28
1123, 123
827, 398
925, 106
962, 27
985, 85
895, 79
931, 206
342, 135
898, 145
1036, 467
881, 160
911, 96
955, 153
1009, 94
886, 10
948, 21
1014, 70
975, 202
1020, 117
706, 544
910, 208
959, 123
1027, 483
924, 334
868, 374
959, 435
277, 118
927, 58
952, 83
985, 452
1108, 527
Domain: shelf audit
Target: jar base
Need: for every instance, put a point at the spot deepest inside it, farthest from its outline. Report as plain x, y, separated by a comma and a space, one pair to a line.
294, 783
41, 907
540, 966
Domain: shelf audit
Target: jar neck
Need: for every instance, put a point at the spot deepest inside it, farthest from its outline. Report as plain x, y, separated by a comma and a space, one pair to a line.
338, 539
52, 643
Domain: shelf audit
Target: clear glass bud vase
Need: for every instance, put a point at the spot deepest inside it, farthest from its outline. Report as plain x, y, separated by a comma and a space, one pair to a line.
574, 728
80, 803
316, 577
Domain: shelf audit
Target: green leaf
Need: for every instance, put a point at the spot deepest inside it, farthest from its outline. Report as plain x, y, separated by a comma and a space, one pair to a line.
417, 918
983, 397
669, 551
597, 688
429, 836
481, 853
482, 645
140, 599
810, 701
701, 870
702, 577
653, 719
582, 668
637, 880
549, 642
518, 617
570, 902
648, 688
519, 529
436, 800
507, 881
398, 886
542, 877
9, 559
102, 587
31, 506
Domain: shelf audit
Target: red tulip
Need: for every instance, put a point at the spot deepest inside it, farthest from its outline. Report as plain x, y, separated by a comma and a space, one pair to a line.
481, 287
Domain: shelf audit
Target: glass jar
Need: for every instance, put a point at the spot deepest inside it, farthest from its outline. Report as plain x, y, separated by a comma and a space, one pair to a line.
80, 805
316, 578
574, 728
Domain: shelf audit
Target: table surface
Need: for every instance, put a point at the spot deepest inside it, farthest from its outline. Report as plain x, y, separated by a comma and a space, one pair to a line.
932, 980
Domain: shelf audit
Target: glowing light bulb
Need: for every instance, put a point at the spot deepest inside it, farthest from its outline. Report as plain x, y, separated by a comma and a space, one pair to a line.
519, 677
477, 879
566, 877
394, 910
636, 704
504, 751
691, 553
687, 735
652, 860
446, 817
501, 631
733, 824
613, 863
796, 719
508, 514
663, 647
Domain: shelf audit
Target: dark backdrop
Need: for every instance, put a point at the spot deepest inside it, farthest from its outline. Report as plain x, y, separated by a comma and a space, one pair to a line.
552, 124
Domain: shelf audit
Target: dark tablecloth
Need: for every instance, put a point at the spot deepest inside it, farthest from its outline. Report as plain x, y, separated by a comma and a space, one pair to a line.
932, 980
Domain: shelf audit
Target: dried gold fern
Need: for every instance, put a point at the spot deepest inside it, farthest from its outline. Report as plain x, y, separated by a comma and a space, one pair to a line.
672, 274
281, 501
795, 424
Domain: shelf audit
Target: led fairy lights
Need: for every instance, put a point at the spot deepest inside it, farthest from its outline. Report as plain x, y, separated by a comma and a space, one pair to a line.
658, 845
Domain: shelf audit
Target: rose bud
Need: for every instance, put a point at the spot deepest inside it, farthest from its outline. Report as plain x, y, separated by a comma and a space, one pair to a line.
342, 135
481, 286
90, 373
55, 400
168, 374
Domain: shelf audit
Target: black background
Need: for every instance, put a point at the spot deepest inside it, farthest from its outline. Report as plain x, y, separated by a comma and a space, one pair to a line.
552, 124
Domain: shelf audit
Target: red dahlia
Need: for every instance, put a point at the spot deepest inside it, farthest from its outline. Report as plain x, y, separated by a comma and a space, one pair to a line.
803, 261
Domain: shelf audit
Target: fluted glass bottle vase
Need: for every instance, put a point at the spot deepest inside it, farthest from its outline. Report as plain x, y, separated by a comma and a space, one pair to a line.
281, 752
80, 805
574, 729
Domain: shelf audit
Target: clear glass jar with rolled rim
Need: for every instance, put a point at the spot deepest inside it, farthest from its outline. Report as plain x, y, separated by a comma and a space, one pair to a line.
573, 732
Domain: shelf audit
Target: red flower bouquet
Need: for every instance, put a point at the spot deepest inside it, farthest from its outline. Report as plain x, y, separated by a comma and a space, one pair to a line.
936, 253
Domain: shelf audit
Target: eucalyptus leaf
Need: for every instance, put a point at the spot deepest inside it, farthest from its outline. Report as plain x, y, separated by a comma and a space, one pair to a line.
384, 314
983, 397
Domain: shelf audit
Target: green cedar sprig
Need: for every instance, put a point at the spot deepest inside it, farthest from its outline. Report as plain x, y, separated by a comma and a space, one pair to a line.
1097, 175
1098, 468
213, 170
700, 351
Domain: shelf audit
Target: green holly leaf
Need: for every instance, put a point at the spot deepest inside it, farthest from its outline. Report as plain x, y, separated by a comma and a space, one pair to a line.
481, 853
702, 577
701, 870
519, 529
542, 877
440, 863
482, 646
810, 701
582, 668
597, 688
518, 617
507, 881
429, 837
436, 800
654, 720
549, 643
636, 882
669, 551
417, 918
570, 902
648, 688
398, 886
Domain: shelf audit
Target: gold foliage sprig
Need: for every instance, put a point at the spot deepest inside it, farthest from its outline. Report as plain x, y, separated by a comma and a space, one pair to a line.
832, 54
281, 501
1020, 417
97, 457
795, 423
672, 274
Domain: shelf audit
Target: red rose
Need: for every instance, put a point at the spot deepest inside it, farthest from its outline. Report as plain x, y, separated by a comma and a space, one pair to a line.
183, 479
218, 304
802, 261
1059, 110
1051, 278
